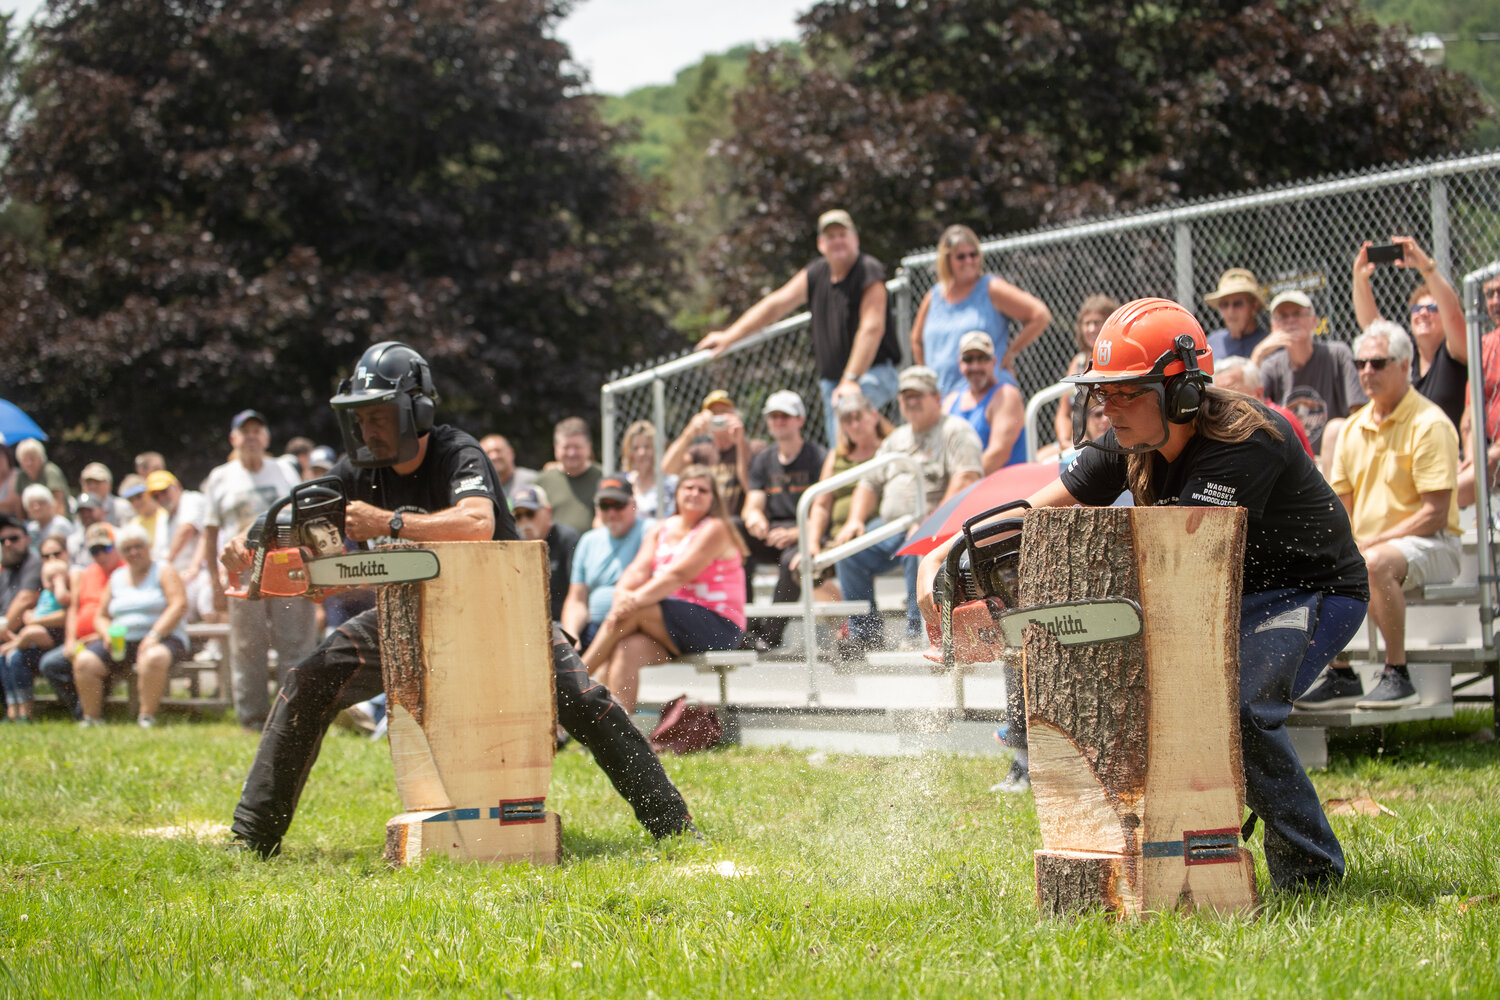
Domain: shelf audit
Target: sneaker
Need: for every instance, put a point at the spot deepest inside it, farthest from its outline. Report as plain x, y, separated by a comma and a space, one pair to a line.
356, 718
1331, 692
1017, 780
88, 722
852, 648
146, 722
1393, 691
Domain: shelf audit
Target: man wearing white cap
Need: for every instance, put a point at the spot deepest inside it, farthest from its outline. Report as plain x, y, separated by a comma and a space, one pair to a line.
1315, 380
1238, 300
778, 478
854, 338
993, 408
97, 481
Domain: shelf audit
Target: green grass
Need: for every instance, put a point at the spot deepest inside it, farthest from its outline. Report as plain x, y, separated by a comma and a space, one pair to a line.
855, 877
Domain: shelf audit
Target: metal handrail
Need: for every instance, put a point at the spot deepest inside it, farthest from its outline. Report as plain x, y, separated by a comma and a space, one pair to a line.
1476, 317
1033, 409
811, 567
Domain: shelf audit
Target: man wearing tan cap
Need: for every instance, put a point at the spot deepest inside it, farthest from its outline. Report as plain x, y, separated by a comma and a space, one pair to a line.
186, 511
1238, 299
854, 338
97, 481
717, 420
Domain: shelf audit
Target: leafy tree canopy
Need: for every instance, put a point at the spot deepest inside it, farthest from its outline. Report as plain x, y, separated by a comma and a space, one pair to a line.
1006, 114
237, 197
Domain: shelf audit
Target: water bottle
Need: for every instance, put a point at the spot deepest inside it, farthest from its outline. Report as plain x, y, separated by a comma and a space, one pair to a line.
117, 643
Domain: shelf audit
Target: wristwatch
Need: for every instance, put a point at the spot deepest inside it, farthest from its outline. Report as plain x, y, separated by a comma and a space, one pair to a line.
396, 525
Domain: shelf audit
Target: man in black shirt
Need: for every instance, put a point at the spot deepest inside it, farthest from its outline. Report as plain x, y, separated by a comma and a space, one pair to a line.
408, 479
778, 478
1174, 439
854, 338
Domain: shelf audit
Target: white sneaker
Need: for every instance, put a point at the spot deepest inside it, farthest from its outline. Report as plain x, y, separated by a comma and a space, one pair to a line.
88, 722
1018, 780
146, 722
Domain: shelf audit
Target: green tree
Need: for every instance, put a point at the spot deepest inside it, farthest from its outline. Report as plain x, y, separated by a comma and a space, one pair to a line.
1005, 114
237, 197
1461, 23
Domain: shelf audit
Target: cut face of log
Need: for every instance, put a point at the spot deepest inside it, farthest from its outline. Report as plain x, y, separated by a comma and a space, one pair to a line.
1134, 743
467, 659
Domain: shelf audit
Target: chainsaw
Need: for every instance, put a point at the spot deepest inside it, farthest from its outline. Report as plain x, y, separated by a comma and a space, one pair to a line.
977, 591
297, 549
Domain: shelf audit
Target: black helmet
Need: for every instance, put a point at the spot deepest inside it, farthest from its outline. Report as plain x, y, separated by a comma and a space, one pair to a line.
389, 373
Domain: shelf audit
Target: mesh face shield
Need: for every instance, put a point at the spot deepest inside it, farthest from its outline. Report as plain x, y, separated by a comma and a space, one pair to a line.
1087, 396
393, 434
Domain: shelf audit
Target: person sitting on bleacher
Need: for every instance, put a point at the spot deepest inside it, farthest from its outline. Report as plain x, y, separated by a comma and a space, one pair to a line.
88, 586
600, 558
145, 600
683, 593
1396, 472
995, 409
778, 478
948, 451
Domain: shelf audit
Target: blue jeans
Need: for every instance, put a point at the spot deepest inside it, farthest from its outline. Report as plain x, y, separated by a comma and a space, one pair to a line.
17, 673
879, 386
1277, 633
57, 667
857, 580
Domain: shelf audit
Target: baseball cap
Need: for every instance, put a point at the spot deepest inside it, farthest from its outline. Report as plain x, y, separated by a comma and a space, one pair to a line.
719, 397
86, 501
238, 420
96, 470
918, 378
785, 401
1295, 297
322, 457
99, 534
160, 480
613, 488
976, 340
530, 498
835, 217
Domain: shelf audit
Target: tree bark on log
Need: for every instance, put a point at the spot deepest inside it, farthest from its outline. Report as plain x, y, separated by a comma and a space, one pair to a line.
467, 664
1134, 744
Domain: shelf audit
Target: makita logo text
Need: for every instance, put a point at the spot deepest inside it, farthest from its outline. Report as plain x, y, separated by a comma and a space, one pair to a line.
362, 569
1064, 625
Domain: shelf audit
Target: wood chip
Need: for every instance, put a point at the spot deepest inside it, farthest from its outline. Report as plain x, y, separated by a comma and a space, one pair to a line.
1361, 806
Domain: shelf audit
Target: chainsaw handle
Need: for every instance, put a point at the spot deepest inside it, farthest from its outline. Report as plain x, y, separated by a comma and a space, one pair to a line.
1009, 524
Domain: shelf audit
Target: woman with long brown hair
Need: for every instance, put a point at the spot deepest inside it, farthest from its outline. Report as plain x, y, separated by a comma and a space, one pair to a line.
683, 593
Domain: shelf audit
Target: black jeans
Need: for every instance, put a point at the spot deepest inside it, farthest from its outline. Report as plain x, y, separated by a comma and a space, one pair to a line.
788, 583
345, 670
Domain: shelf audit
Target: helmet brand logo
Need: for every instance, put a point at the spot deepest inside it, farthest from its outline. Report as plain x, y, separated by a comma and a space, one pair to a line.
1101, 352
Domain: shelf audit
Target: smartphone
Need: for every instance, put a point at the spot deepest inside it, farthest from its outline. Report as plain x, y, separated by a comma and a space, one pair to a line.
1385, 253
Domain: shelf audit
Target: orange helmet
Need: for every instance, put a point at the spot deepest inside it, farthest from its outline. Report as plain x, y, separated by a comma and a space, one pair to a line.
1138, 342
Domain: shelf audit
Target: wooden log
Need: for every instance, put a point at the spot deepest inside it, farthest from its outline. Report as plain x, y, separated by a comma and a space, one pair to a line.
467, 662
1134, 744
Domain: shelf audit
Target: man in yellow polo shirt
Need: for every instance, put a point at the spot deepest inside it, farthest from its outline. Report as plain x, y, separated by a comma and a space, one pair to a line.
1396, 472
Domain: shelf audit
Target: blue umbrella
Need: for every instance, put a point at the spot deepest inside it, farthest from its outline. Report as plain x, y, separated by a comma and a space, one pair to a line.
16, 425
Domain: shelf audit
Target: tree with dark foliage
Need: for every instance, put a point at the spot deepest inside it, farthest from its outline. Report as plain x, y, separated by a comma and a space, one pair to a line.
1006, 114
237, 197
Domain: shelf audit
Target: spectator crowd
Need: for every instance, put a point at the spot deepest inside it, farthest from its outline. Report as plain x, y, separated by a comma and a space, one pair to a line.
100, 578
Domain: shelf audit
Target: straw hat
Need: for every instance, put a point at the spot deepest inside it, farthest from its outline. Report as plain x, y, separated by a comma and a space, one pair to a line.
1236, 281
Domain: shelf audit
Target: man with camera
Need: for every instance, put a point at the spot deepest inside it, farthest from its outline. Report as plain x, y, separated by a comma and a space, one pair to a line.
719, 421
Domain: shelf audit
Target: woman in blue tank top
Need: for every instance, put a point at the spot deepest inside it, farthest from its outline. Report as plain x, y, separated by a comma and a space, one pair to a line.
992, 406
966, 299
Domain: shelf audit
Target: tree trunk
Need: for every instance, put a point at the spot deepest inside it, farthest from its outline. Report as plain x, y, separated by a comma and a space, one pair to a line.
1134, 744
467, 661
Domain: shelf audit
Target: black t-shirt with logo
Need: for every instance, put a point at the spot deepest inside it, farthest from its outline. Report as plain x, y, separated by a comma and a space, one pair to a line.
1298, 534
453, 468
785, 484
835, 314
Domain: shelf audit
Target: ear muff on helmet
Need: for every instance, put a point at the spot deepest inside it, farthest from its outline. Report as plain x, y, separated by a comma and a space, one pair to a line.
388, 374
1184, 392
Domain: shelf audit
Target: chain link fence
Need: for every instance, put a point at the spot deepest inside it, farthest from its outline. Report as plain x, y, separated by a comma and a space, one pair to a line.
1295, 237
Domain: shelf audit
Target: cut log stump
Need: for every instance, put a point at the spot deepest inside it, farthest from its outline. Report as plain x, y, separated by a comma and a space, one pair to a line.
467, 659
1134, 744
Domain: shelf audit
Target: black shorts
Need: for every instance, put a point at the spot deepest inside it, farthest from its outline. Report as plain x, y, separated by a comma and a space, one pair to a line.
100, 648
695, 629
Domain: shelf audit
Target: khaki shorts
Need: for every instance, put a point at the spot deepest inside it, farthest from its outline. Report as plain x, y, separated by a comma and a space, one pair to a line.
1429, 558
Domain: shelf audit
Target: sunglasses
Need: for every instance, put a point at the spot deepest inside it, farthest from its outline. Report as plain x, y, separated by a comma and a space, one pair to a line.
1118, 396
1233, 304
99, 550
975, 359
54, 555
609, 505
1374, 364
966, 255
1429, 307
523, 513
12, 539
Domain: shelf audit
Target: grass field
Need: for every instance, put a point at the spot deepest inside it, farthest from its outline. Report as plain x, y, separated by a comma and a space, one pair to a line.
826, 876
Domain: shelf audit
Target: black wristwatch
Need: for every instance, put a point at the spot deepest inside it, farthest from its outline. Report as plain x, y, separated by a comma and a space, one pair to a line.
396, 525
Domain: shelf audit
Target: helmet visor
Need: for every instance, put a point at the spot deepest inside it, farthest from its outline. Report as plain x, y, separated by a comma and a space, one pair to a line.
378, 428
1143, 424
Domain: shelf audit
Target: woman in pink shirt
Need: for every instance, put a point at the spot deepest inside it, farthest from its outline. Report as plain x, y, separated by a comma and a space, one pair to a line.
683, 593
